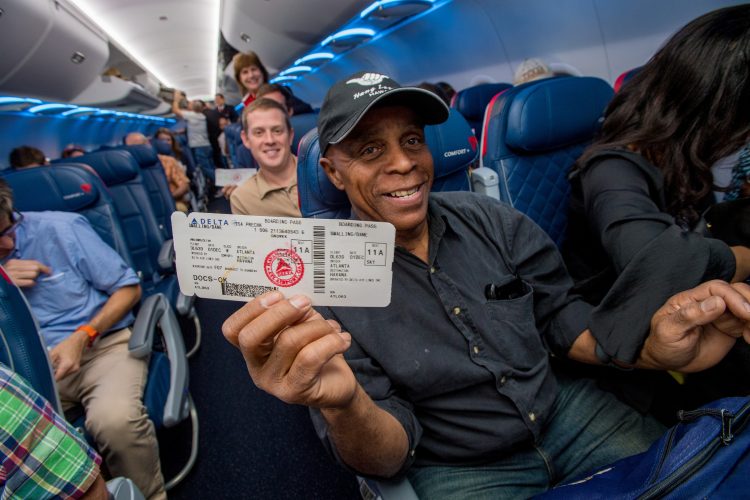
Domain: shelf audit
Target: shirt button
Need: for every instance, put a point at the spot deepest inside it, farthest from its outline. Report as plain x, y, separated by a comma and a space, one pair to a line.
476, 350
532, 416
502, 380
412, 452
456, 310
433, 270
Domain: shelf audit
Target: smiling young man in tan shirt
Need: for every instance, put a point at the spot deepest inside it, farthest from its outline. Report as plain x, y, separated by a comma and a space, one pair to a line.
268, 134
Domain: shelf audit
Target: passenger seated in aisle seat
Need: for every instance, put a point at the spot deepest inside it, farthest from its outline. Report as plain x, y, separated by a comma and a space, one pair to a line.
179, 184
267, 133
26, 156
531, 70
82, 294
451, 383
447, 90
43, 456
197, 133
639, 190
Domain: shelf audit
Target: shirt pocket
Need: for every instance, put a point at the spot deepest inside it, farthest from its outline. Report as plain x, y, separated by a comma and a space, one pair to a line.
53, 294
513, 332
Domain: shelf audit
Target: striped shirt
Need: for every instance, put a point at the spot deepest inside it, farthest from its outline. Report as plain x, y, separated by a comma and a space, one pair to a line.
41, 455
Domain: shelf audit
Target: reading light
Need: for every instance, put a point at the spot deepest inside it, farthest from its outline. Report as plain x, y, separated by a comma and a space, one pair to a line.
316, 58
296, 69
385, 9
348, 37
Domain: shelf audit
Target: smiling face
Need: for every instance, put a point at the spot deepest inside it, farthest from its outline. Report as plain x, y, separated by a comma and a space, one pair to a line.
268, 138
251, 78
386, 169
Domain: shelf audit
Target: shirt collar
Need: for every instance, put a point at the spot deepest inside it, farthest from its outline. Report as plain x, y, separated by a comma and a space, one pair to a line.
264, 188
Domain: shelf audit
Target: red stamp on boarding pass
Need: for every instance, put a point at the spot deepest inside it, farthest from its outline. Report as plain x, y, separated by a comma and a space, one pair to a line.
284, 267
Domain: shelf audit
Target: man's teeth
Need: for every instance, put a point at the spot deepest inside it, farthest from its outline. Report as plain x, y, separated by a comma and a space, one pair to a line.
402, 194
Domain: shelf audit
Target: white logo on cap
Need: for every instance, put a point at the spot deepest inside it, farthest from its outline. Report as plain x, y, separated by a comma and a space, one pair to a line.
368, 79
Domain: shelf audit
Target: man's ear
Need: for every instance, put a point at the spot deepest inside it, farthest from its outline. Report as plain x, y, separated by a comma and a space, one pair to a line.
331, 173
245, 141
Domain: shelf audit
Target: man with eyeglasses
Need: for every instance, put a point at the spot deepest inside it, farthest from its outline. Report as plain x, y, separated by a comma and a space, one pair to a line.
82, 293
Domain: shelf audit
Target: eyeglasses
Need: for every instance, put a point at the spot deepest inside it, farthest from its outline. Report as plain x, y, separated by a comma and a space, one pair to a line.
17, 218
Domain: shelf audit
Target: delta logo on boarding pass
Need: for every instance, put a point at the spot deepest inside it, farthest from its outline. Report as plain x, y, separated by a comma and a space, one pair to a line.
238, 257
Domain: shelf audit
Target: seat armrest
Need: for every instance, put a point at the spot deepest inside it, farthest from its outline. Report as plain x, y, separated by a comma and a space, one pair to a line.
121, 488
166, 256
155, 312
485, 181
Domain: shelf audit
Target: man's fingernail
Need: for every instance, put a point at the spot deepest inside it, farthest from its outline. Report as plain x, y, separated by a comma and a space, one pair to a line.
300, 301
710, 304
346, 336
334, 324
746, 305
271, 299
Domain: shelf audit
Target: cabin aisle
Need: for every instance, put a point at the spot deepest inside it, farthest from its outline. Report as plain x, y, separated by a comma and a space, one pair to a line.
251, 444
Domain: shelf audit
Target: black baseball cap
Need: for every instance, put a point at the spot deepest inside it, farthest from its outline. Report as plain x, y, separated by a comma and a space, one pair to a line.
349, 99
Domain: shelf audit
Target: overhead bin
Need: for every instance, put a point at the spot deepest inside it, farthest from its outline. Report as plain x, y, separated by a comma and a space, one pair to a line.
43, 40
115, 93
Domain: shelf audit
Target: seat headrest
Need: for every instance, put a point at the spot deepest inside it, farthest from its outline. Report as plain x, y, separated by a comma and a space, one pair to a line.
318, 196
60, 187
555, 113
144, 154
302, 124
452, 144
472, 101
114, 166
162, 148
232, 132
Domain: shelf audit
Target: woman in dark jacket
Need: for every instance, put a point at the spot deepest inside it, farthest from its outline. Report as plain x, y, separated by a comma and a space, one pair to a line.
639, 190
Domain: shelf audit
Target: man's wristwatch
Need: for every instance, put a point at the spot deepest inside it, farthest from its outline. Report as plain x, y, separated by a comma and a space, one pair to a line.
90, 332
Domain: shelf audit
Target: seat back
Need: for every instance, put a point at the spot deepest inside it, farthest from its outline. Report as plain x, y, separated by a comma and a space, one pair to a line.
532, 136
471, 103
122, 176
453, 147
302, 124
21, 345
70, 188
155, 181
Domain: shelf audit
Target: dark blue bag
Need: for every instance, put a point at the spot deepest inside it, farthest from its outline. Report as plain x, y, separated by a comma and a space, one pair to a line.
706, 455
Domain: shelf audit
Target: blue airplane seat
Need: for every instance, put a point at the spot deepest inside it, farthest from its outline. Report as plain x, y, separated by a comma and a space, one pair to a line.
155, 181
146, 242
162, 147
22, 348
166, 396
454, 149
232, 136
471, 102
533, 135
318, 198
70, 188
302, 124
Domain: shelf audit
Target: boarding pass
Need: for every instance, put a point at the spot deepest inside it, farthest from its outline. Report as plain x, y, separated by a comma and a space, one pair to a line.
238, 257
236, 176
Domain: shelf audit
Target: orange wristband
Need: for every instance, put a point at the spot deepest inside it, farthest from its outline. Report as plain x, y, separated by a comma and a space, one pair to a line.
90, 331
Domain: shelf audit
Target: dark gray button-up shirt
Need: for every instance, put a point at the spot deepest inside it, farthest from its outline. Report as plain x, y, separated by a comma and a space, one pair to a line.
467, 376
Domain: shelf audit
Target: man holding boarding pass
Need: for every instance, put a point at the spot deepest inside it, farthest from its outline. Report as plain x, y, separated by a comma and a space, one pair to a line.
451, 383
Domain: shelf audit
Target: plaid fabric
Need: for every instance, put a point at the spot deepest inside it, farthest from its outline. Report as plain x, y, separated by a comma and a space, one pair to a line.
41, 455
740, 175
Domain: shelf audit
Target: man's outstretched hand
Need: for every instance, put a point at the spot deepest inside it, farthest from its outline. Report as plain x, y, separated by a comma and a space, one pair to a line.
695, 329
